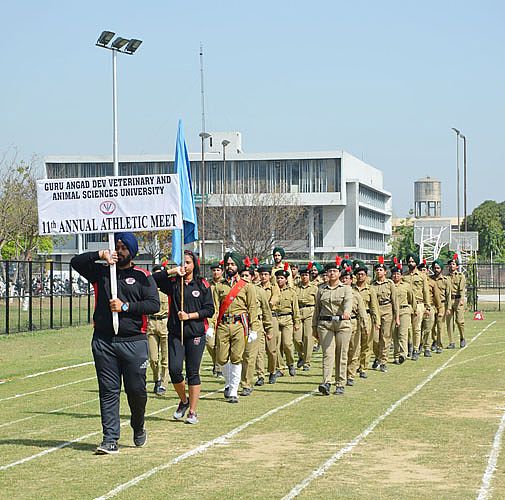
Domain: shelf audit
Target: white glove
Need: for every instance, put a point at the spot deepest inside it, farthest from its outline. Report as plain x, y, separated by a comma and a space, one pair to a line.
209, 333
252, 336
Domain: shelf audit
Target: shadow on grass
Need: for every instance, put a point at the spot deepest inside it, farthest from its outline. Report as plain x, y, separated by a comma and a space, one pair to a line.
48, 443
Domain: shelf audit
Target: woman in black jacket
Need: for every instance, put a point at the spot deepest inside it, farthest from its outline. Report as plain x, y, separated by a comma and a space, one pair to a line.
197, 307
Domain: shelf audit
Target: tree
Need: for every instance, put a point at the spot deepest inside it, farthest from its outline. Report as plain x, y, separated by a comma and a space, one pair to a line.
156, 243
402, 240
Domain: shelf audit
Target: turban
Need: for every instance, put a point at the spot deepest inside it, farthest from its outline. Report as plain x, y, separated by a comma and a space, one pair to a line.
280, 250
439, 262
414, 257
129, 241
237, 258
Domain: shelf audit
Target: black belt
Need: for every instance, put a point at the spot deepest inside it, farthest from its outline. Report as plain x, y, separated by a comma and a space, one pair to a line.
384, 302
456, 296
158, 317
308, 305
330, 318
368, 311
281, 314
403, 307
354, 317
231, 318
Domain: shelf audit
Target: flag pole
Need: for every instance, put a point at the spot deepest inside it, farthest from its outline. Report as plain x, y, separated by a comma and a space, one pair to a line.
182, 284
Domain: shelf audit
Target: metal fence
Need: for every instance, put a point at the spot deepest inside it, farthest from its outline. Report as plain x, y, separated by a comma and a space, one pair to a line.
486, 286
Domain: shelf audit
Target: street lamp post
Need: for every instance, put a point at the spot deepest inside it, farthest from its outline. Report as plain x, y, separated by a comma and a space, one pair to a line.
224, 143
457, 173
129, 47
203, 136
464, 181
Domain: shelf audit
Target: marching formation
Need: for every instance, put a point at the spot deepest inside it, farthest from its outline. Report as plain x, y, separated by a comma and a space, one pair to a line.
260, 322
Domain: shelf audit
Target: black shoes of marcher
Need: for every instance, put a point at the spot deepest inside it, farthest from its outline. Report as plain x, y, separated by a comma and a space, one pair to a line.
401, 359
233, 399
427, 353
350, 382
161, 391
292, 370
300, 363
339, 391
107, 448
410, 349
383, 368
375, 364
462, 343
272, 378
157, 385
415, 356
246, 391
226, 392
396, 362
279, 373
439, 350
140, 438
433, 346
259, 382
363, 374
324, 389
306, 368
316, 348
451, 346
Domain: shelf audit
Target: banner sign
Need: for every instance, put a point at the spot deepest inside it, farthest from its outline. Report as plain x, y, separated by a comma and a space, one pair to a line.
109, 204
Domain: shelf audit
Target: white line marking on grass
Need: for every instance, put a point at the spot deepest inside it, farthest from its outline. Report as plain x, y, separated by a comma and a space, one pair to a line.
47, 389
58, 370
12, 422
352, 444
82, 438
202, 448
485, 488
465, 361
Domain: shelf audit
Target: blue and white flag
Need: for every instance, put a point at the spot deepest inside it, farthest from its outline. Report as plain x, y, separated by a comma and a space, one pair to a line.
182, 168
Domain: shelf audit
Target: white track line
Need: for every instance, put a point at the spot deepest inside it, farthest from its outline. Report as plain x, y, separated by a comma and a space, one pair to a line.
82, 438
202, 448
352, 444
12, 422
476, 358
485, 488
58, 370
47, 389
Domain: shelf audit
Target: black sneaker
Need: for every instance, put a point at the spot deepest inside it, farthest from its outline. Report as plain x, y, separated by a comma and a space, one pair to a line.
451, 346
350, 382
156, 386
272, 378
316, 348
259, 382
161, 391
181, 410
246, 391
232, 399
300, 363
140, 438
363, 374
427, 353
339, 391
401, 359
375, 364
306, 368
279, 373
433, 346
292, 370
324, 389
396, 362
415, 356
462, 343
439, 350
383, 368
226, 392
107, 448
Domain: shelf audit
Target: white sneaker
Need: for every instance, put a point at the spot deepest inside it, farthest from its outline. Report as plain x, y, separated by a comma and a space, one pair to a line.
192, 418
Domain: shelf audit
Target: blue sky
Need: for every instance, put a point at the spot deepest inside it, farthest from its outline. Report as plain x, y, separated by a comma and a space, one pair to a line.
385, 81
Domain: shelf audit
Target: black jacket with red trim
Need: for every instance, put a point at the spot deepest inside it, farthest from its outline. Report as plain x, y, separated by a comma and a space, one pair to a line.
134, 285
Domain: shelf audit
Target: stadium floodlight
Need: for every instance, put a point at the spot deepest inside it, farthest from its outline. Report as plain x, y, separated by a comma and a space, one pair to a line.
119, 43
105, 38
132, 46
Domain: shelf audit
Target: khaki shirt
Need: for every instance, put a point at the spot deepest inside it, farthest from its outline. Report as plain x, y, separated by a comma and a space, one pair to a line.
358, 308
264, 309
288, 304
406, 298
435, 296
273, 293
306, 299
244, 302
332, 301
369, 296
273, 280
458, 285
386, 294
419, 283
444, 289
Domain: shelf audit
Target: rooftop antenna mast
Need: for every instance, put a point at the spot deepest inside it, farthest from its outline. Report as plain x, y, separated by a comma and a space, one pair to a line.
202, 91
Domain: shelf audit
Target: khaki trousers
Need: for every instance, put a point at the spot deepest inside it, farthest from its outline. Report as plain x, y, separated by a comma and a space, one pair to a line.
367, 338
249, 361
428, 322
286, 339
417, 321
354, 350
438, 329
457, 315
230, 343
334, 338
157, 338
385, 333
401, 336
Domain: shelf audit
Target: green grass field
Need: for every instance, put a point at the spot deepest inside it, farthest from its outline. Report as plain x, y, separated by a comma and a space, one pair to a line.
422, 430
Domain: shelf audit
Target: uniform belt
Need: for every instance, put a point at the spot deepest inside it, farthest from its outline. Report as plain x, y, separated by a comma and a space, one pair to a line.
384, 302
158, 317
230, 319
403, 307
354, 317
307, 305
456, 296
330, 318
368, 311
280, 314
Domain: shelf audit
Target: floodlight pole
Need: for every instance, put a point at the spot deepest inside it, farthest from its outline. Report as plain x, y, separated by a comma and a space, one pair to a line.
464, 181
115, 148
457, 174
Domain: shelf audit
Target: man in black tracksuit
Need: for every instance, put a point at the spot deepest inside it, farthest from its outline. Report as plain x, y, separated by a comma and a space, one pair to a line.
124, 355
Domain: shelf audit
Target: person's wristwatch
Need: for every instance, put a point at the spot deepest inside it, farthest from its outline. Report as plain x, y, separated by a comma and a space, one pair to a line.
125, 307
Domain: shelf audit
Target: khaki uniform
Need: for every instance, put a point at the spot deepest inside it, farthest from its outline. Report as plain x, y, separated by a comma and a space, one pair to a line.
280, 267
269, 347
157, 338
419, 284
407, 305
359, 322
210, 342
288, 318
230, 333
434, 309
249, 360
334, 336
388, 309
303, 338
457, 315
369, 296
444, 288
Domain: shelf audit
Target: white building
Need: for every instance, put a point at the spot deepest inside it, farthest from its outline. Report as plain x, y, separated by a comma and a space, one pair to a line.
347, 209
